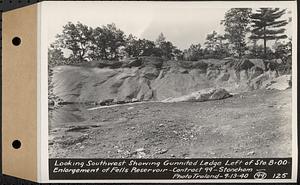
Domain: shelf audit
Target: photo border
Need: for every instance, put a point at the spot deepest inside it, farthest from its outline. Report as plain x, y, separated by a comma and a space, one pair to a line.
43, 99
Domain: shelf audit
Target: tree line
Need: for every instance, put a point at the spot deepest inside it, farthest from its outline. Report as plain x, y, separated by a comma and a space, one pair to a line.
108, 42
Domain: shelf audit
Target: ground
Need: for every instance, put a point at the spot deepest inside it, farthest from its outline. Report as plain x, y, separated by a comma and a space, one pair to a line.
251, 124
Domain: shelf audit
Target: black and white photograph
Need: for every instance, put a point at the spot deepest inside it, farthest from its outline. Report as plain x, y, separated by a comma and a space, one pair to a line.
151, 80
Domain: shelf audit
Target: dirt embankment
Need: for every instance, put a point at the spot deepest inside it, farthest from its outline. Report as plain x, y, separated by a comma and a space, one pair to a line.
250, 124
153, 79
254, 122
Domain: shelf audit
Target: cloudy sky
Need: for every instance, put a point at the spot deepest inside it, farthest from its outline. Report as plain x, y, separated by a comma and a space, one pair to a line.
183, 23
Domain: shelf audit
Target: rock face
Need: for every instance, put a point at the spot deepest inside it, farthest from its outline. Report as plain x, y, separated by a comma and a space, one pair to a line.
150, 78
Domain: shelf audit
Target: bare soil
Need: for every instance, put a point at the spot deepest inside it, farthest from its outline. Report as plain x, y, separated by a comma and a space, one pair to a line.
252, 124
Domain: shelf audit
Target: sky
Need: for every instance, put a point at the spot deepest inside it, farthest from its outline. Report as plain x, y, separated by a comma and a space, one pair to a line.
182, 23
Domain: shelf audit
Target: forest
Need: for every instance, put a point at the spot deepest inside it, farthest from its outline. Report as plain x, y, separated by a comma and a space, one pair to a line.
247, 33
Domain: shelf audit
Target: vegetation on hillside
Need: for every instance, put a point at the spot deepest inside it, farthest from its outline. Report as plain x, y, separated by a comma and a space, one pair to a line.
243, 32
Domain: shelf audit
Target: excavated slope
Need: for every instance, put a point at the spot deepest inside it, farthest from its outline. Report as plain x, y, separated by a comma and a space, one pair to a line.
142, 82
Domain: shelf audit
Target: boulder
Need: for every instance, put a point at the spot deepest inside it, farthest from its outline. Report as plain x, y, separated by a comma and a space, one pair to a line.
223, 77
193, 65
271, 65
200, 65
212, 73
257, 82
132, 63
258, 63
134, 100
219, 94
202, 95
244, 76
243, 64
152, 61
149, 72
106, 102
280, 83
255, 72
272, 74
184, 71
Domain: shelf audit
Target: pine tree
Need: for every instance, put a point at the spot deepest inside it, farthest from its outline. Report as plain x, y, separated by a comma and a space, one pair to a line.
266, 25
236, 24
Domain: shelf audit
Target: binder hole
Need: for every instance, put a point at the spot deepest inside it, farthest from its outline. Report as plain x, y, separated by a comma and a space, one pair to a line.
16, 144
16, 41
